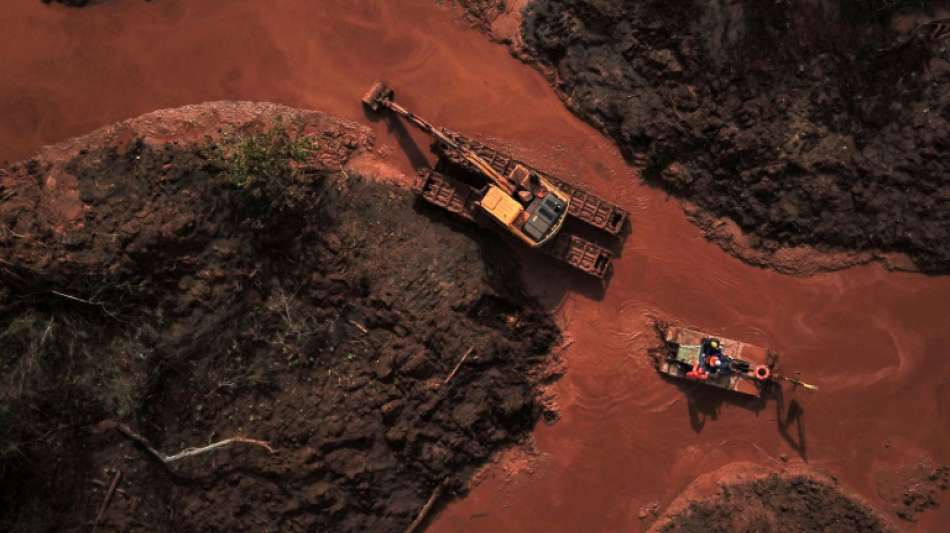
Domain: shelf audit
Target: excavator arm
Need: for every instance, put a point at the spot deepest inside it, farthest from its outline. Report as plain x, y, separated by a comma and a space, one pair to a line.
380, 95
526, 204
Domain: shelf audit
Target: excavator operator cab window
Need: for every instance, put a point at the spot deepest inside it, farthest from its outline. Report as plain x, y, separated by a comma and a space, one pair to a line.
543, 214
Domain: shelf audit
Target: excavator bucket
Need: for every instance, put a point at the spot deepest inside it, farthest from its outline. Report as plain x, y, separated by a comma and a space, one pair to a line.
376, 94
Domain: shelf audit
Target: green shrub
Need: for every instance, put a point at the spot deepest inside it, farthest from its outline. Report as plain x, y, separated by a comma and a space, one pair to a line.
266, 166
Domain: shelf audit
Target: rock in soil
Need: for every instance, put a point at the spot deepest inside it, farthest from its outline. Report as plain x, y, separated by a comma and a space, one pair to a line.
223, 285
820, 124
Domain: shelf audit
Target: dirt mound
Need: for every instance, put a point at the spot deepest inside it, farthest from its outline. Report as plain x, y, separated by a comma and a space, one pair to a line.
819, 123
246, 283
737, 499
914, 488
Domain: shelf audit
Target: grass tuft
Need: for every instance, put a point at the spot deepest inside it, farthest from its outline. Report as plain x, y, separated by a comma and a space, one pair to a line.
266, 166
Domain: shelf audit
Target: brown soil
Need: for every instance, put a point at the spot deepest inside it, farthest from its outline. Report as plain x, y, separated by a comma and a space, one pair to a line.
778, 501
818, 124
142, 286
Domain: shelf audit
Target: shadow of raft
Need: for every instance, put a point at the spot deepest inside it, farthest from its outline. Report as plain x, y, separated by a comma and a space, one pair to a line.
704, 404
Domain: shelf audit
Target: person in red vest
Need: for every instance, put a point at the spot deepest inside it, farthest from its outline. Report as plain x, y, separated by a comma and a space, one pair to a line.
698, 373
709, 362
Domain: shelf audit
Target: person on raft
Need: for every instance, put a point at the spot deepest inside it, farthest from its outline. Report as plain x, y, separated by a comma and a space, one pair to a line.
711, 361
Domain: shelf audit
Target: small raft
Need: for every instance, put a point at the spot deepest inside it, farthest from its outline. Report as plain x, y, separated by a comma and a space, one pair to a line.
738, 366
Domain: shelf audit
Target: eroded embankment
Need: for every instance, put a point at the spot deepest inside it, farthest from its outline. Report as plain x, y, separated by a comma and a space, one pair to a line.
246, 285
818, 124
741, 497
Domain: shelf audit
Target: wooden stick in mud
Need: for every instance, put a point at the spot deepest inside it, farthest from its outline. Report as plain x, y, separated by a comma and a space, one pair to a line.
188, 452
436, 494
798, 382
359, 326
107, 499
458, 366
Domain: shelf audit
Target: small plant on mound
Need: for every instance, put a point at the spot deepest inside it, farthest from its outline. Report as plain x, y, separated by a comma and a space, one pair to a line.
267, 166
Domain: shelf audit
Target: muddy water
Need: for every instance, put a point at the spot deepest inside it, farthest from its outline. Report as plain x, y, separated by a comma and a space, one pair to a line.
876, 342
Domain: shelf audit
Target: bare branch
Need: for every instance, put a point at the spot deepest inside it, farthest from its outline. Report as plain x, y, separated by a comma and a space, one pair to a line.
436, 494
107, 499
457, 366
74, 298
188, 452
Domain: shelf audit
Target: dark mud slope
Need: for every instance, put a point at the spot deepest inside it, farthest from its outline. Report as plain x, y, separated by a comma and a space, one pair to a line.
481, 13
71, 3
822, 123
776, 503
248, 287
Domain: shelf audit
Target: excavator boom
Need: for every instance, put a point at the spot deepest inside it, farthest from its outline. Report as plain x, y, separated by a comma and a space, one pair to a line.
381, 95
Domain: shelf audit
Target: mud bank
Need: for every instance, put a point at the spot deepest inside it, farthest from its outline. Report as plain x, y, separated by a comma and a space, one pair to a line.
816, 125
743, 497
242, 282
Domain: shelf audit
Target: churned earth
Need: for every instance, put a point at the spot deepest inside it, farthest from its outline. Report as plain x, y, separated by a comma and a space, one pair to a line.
626, 440
818, 124
168, 287
740, 497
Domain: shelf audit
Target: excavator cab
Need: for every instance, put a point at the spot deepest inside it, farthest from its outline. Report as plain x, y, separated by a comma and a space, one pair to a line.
543, 209
543, 214
536, 221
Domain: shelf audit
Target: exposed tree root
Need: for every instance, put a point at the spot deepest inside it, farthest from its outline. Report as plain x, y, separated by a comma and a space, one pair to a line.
187, 452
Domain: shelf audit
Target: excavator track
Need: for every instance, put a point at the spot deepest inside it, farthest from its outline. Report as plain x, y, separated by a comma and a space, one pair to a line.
580, 253
585, 206
459, 199
447, 193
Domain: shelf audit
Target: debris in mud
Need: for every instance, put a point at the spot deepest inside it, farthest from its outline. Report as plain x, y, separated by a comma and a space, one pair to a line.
922, 493
793, 503
816, 124
650, 510
246, 285
481, 13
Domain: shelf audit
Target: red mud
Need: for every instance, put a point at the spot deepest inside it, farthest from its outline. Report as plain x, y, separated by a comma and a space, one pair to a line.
873, 340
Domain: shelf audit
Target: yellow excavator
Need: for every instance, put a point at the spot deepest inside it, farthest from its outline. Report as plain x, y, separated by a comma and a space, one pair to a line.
478, 183
525, 203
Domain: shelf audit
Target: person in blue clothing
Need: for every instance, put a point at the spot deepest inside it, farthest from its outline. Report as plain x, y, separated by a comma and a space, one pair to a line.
711, 359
